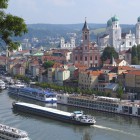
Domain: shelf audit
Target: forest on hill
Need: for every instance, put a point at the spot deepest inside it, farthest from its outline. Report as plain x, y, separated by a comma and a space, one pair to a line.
58, 30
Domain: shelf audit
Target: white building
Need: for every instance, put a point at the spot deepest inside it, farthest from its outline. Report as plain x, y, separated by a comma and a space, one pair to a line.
18, 49
115, 38
67, 45
138, 31
61, 75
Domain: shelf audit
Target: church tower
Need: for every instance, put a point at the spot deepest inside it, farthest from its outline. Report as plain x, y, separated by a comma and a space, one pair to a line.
114, 32
72, 41
138, 31
62, 43
86, 36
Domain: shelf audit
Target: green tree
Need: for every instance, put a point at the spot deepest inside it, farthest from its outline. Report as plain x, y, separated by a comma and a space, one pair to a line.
108, 53
10, 26
119, 91
48, 64
135, 60
134, 51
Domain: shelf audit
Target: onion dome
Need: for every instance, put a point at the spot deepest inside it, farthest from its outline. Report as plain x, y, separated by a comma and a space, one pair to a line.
139, 19
109, 22
115, 18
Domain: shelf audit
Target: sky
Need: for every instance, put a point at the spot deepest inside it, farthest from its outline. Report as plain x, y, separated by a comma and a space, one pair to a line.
74, 11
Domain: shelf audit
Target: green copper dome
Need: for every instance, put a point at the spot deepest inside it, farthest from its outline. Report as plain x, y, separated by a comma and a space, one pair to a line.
115, 18
109, 22
139, 19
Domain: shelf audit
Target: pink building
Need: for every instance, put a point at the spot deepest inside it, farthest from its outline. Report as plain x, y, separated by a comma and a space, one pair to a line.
87, 53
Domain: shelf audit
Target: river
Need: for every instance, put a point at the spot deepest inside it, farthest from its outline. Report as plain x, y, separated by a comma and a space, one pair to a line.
107, 127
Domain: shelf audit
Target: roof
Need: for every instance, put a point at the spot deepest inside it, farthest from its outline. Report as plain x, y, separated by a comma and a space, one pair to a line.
123, 35
47, 92
111, 86
53, 58
3, 58
115, 18
94, 73
125, 68
38, 54
94, 68
18, 66
104, 35
134, 72
125, 51
85, 27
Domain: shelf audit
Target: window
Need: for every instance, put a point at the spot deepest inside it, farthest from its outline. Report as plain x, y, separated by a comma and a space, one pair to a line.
90, 57
130, 43
85, 37
81, 58
95, 57
85, 58
75, 57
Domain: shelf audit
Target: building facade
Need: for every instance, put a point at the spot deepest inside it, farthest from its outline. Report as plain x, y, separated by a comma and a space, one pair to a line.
115, 38
87, 53
67, 45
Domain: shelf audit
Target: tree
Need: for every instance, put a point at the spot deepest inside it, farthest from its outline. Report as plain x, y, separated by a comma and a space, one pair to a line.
10, 26
108, 53
135, 60
119, 91
48, 64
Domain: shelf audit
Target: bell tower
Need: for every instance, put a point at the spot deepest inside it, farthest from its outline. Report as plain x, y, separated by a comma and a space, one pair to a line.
86, 36
138, 31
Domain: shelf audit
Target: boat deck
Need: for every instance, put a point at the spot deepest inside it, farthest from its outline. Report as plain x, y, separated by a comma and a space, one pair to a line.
12, 130
46, 109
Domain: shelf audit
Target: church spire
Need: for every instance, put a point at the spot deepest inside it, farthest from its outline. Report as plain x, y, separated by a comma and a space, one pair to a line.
85, 27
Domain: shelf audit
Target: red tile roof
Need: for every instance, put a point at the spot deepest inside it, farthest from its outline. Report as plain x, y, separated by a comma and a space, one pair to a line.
134, 72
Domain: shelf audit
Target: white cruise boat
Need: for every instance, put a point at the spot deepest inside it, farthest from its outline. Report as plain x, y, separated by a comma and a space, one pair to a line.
46, 96
106, 104
11, 133
2, 85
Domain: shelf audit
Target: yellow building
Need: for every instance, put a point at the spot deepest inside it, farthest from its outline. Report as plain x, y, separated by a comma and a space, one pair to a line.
132, 82
88, 79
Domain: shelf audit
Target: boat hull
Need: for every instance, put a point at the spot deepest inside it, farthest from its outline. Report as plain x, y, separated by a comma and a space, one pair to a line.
50, 115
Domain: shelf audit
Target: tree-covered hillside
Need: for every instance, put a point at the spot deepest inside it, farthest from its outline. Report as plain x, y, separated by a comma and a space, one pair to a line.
61, 30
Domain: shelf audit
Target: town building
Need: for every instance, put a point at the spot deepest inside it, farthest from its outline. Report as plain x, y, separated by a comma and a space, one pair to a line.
132, 82
18, 69
87, 53
115, 38
67, 45
88, 79
61, 75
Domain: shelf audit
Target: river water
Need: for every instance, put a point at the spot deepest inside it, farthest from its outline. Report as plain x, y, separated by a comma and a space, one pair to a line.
108, 126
